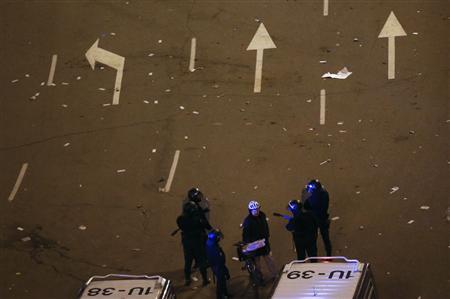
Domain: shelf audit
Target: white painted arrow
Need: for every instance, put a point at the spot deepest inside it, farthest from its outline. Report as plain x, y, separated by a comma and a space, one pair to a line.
96, 54
391, 29
261, 40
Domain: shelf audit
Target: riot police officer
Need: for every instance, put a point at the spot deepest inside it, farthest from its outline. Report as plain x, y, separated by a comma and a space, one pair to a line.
193, 226
315, 196
216, 259
303, 226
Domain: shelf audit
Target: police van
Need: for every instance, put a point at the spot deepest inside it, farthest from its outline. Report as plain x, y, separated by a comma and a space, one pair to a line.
120, 286
325, 277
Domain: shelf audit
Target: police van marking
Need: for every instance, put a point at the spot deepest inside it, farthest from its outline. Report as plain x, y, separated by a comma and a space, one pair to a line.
310, 274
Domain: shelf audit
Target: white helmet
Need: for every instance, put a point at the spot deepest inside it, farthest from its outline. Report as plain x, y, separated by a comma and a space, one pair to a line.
253, 205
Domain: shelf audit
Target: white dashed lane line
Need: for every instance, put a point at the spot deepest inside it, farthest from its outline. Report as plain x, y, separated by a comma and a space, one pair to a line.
172, 172
192, 59
322, 106
51, 75
18, 181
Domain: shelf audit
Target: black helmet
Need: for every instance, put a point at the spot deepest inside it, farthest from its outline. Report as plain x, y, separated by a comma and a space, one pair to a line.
195, 195
313, 185
190, 208
294, 205
215, 235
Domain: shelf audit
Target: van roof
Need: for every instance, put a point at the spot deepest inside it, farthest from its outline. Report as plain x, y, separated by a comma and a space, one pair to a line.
333, 277
120, 286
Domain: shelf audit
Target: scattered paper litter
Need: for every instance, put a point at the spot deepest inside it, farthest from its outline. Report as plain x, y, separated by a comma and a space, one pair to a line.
64, 105
113, 33
394, 189
66, 144
322, 61
424, 207
235, 258
107, 104
186, 137
154, 150
26, 239
410, 221
42, 83
64, 83
101, 88
155, 102
160, 41
121, 170
27, 75
15, 80
167, 90
79, 78
151, 54
342, 74
150, 74
82, 227
340, 123
415, 33
324, 162
335, 218
308, 100
20, 228
195, 112
194, 278
146, 102
136, 249
181, 107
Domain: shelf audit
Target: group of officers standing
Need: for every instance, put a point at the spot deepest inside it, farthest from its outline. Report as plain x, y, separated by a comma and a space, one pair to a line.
201, 242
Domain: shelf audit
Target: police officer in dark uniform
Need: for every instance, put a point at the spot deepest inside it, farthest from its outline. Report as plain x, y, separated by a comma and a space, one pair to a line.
194, 194
315, 196
216, 259
193, 226
303, 226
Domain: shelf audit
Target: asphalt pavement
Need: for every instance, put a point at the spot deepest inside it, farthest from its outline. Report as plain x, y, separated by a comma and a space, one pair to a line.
87, 153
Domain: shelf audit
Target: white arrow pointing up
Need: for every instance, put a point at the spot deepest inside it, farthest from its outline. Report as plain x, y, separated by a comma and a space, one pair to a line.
391, 29
96, 54
261, 40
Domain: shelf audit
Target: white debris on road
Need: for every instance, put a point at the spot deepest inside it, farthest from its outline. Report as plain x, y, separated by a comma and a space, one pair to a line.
424, 207
82, 227
410, 221
66, 144
394, 189
335, 218
121, 170
342, 74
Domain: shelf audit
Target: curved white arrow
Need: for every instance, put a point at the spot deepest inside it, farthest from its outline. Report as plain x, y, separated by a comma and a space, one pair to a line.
391, 29
96, 54
261, 40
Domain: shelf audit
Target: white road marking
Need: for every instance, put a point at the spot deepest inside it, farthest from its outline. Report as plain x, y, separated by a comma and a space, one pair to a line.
172, 171
322, 106
261, 40
192, 59
52, 70
96, 54
391, 29
18, 181
325, 7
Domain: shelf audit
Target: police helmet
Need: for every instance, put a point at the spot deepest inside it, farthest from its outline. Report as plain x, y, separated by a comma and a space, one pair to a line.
215, 235
313, 185
294, 205
253, 205
195, 194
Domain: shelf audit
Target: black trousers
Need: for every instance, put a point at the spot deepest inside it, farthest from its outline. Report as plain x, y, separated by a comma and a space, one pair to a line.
324, 228
305, 247
221, 283
194, 250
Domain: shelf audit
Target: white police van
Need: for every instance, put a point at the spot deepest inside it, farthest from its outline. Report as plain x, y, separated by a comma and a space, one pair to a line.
325, 277
121, 286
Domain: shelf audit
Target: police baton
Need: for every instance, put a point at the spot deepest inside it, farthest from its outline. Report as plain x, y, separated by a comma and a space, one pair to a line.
174, 232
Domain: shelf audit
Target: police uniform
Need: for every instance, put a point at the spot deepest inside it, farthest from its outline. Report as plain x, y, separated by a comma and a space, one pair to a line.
193, 226
318, 202
304, 232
